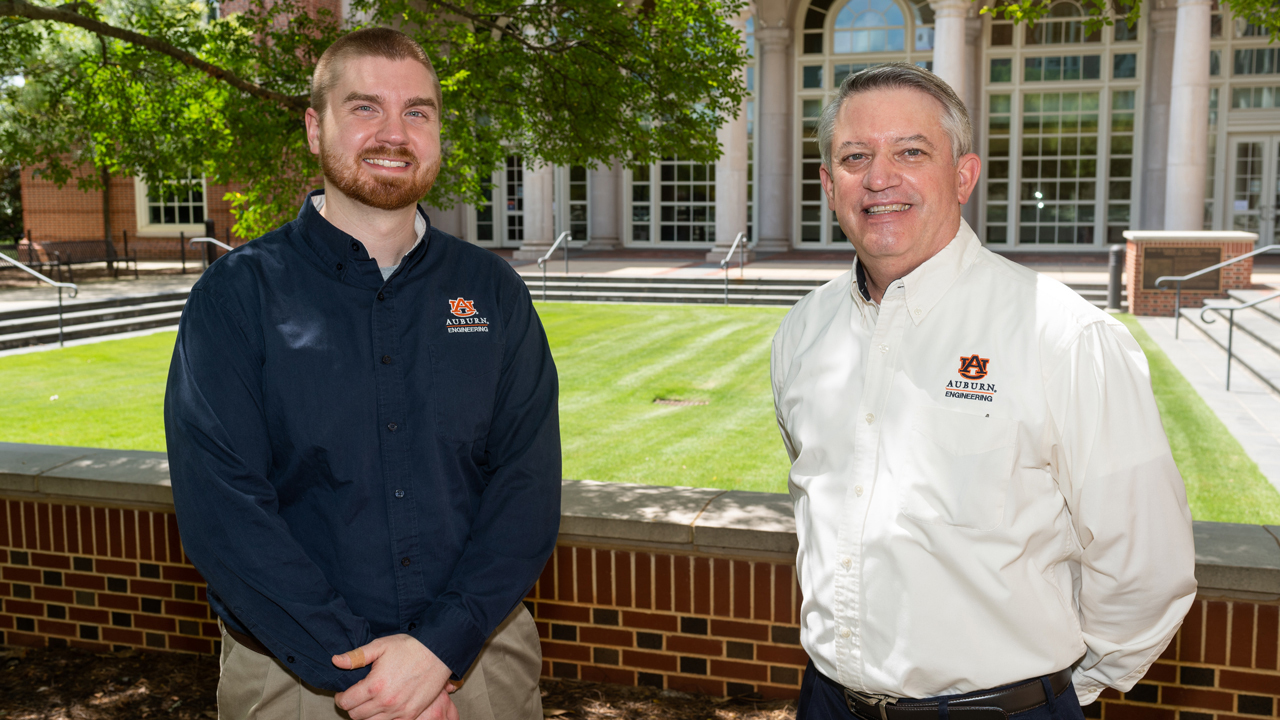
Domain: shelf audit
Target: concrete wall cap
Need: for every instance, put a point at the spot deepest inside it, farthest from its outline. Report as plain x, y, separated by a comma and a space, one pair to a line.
1189, 235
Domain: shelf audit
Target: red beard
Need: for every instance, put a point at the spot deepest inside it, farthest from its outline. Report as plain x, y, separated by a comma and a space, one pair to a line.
384, 193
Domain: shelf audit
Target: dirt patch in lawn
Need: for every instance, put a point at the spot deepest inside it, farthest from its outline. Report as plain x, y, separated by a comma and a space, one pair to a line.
71, 684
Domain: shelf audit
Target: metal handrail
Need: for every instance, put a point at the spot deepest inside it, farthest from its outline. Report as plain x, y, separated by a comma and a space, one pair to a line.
211, 241
542, 261
1231, 323
742, 261
1177, 301
75, 289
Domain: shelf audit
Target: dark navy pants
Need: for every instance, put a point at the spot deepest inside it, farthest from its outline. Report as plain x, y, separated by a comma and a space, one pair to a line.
821, 698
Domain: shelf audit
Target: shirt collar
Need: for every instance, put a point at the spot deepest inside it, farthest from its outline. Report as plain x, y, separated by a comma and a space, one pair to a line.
925, 285
343, 253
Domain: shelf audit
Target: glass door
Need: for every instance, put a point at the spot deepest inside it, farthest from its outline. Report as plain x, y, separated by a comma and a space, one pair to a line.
1254, 205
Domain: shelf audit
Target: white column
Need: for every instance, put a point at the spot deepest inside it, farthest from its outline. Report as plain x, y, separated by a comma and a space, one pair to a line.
1161, 23
1188, 119
539, 215
773, 128
949, 43
731, 177
972, 101
603, 184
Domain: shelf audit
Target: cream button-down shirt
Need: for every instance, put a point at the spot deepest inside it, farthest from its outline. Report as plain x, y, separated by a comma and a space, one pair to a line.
983, 490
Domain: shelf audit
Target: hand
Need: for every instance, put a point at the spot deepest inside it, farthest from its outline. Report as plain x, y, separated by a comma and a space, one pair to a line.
407, 682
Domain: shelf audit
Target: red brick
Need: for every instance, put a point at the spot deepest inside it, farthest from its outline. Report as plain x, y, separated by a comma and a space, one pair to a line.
1110, 694
59, 528
567, 613
88, 615
546, 668
782, 593
186, 609
1186, 697
55, 627
1242, 634
54, 594
210, 629
647, 660
742, 589
46, 560
687, 684
96, 647
154, 622
6, 589
783, 654
682, 583
115, 533
544, 629
1215, 633
190, 644
742, 630
1121, 711
622, 578
740, 670
129, 521
644, 580
158, 532
6, 622
151, 588
593, 635
118, 602
29, 526
1162, 673
564, 573
85, 522
44, 525
85, 582
566, 651
21, 574
584, 573
649, 621
703, 587
4, 530
1191, 633
144, 537
662, 582
24, 639
617, 676
181, 573
1268, 627
1257, 683
686, 645
604, 577
23, 607
176, 555
546, 587
122, 636
762, 581
118, 568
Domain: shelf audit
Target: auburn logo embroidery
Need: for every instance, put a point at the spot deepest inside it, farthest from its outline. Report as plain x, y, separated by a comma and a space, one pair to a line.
467, 308
974, 367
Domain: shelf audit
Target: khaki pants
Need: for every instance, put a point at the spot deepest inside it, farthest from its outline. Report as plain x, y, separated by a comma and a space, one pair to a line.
502, 683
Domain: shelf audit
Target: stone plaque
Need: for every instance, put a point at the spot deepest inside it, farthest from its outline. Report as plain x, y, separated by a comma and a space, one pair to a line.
1161, 261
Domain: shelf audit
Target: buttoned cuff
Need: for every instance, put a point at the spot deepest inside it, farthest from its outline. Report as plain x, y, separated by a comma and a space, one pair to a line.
1087, 689
452, 635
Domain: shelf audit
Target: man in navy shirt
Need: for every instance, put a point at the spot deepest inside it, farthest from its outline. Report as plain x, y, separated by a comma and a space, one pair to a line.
363, 435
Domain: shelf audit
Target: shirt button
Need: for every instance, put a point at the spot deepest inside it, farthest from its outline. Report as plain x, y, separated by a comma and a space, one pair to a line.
355, 246
381, 297
392, 427
404, 562
918, 311
290, 658
858, 491
399, 493
844, 632
413, 626
870, 418
847, 563
884, 348
339, 267
386, 359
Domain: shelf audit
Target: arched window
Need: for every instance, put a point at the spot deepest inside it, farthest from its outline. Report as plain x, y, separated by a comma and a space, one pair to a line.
866, 26
1064, 25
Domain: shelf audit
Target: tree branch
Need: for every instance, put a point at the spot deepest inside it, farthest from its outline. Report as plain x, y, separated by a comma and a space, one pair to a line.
23, 9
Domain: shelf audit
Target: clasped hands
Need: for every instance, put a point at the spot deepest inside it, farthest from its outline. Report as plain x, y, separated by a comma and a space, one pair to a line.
407, 682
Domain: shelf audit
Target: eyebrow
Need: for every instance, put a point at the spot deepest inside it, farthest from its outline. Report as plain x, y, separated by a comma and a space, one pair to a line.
411, 102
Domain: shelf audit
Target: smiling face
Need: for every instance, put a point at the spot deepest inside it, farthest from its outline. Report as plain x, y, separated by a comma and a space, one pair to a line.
379, 139
893, 184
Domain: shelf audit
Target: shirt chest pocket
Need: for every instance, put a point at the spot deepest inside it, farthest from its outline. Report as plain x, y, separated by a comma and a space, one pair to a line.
464, 386
959, 471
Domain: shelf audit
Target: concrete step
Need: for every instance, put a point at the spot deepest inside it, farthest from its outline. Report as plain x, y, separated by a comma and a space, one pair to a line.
1253, 344
1270, 308
94, 329
72, 306
86, 317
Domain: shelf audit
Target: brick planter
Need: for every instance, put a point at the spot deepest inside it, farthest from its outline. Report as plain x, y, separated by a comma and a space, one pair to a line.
1181, 253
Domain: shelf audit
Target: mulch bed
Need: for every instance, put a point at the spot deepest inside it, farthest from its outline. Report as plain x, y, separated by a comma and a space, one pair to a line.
71, 684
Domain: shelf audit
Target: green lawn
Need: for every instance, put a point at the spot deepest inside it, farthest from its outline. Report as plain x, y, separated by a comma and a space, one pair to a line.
614, 360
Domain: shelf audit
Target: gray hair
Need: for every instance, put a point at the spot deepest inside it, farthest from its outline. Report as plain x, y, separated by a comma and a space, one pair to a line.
892, 76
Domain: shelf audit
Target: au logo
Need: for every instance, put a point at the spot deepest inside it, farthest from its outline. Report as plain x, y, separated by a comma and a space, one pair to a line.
467, 308
974, 367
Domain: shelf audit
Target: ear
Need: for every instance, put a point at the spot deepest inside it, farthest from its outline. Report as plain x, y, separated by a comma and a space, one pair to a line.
828, 185
312, 119
967, 172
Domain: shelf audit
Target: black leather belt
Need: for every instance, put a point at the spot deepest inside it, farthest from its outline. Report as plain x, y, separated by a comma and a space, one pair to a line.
248, 641
991, 705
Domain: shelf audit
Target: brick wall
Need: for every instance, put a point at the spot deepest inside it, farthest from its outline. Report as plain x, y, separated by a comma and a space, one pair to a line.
101, 577
1161, 302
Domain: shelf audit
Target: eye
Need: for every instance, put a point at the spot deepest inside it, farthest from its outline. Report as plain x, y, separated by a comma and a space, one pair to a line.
364, 108
914, 152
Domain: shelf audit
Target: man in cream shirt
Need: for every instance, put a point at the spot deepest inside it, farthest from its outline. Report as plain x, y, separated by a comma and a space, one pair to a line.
990, 520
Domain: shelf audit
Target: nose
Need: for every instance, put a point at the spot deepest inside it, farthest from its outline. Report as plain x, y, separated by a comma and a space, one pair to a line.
393, 130
882, 173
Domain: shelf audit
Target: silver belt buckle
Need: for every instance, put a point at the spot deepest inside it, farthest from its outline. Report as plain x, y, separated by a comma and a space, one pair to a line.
879, 701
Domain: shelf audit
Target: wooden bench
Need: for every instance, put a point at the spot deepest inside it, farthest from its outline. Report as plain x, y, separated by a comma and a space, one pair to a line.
58, 254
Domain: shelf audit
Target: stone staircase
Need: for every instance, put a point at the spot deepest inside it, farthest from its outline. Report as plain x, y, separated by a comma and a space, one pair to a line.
1255, 341
39, 326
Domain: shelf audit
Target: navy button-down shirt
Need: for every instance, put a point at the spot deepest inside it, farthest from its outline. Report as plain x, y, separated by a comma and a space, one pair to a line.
354, 458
